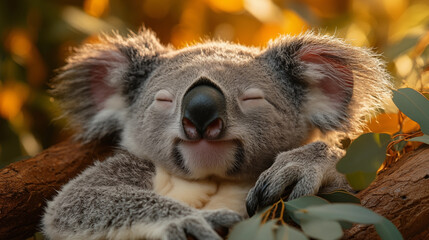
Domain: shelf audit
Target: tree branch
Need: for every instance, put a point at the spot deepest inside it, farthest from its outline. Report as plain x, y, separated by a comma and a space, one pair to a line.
26, 185
401, 194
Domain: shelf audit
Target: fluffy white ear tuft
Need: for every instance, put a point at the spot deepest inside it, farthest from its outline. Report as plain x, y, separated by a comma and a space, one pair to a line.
335, 84
330, 85
100, 82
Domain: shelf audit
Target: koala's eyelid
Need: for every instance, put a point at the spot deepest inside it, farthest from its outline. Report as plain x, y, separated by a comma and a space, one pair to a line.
164, 96
252, 94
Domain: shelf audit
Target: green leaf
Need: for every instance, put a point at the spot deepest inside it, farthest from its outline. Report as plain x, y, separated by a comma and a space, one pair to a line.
301, 203
266, 231
423, 139
414, 105
351, 213
366, 153
360, 180
363, 158
340, 196
288, 232
304, 202
246, 229
253, 229
322, 229
340, 211
387, 230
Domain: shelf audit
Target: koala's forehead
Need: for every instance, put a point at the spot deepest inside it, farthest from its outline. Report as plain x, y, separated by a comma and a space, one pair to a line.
230, 66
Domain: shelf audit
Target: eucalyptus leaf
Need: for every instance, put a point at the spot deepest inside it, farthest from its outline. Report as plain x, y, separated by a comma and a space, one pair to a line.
340, 196
423, 139
360, 180
322, 229
285, 232
386, 230
314, 217
414, 105
301, 203
304, 202
346, 225
363, 158
340, 211
266, 231
365, 154
247, 229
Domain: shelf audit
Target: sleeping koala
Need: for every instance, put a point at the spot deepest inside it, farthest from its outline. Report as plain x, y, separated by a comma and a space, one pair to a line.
209, 133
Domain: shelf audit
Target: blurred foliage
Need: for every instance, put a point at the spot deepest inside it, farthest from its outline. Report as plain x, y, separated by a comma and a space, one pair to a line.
37, 35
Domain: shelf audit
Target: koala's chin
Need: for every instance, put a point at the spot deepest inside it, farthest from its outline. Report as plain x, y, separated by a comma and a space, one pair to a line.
206, 158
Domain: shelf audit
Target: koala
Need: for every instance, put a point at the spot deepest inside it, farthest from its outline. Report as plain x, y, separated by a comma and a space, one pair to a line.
208, 134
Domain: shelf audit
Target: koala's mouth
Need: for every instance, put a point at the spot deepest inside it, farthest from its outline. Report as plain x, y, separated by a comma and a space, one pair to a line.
204, 158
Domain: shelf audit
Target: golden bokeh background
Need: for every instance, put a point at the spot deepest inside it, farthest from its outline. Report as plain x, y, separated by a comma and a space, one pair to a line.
37, 35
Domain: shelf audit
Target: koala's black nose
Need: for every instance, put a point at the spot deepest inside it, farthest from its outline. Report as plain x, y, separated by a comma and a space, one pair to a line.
203, 111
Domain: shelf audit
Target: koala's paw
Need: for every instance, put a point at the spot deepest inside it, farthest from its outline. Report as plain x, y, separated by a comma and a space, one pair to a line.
222, 220
290, 180
211, 225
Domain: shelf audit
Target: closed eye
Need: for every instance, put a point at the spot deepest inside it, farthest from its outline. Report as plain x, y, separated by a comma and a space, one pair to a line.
249, 98
252, 98
164, 96
164, 100
252, 94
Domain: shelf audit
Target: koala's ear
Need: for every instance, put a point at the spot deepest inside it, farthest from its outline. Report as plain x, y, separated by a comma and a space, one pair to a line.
333, 83
100, 81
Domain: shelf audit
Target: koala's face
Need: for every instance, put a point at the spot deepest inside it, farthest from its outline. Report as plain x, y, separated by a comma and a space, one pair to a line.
218, 109
213, 110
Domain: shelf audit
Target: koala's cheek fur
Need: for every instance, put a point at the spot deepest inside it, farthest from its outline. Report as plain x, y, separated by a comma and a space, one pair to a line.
153, 127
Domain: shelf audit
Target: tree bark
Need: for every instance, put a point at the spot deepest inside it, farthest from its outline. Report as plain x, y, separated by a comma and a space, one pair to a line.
400, 193
26, 185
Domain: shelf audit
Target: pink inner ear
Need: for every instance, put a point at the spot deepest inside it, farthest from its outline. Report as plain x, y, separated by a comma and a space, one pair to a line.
337, 82
100, 89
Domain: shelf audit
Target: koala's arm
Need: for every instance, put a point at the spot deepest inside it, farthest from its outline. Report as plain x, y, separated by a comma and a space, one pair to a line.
302, 171
114, 200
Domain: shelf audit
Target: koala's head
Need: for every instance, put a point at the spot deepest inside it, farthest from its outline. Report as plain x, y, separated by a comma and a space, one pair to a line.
218, 109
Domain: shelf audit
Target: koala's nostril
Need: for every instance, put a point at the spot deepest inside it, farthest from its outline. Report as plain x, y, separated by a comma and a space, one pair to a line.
203, 112
214, 129
190, 129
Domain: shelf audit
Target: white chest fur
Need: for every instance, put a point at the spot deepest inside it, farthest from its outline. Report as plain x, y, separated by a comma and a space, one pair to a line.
203, 194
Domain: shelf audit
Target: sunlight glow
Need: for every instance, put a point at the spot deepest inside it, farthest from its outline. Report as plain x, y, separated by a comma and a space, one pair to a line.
95, 8
403, 65
12, 97
20, 44
30, 144
226, 5
264, 10
83, 22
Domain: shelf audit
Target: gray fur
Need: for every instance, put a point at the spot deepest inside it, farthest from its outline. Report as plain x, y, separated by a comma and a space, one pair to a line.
312, 89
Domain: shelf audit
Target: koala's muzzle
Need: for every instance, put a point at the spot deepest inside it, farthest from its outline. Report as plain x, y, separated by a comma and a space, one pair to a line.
203, 113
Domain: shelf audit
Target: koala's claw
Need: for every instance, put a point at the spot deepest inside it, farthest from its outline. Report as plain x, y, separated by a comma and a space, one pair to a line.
287, 181
260, 196
255, 197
